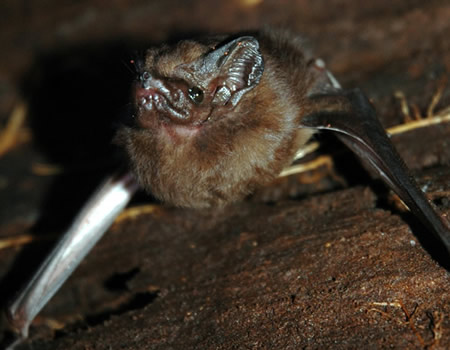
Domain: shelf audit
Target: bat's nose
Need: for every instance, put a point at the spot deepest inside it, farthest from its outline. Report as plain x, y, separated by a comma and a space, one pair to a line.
145, 78
149, 82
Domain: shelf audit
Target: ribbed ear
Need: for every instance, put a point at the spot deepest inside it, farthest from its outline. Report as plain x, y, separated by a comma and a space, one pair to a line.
240, 66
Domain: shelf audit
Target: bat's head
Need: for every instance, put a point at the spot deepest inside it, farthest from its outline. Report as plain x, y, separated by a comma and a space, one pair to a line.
192, 83
206, 127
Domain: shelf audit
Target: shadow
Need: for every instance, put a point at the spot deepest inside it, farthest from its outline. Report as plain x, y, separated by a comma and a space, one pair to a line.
76, 97
118, 281
138, 301
426, 238
132, 301
355, 173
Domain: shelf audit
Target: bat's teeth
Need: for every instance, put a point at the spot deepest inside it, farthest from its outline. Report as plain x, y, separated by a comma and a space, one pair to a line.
150, 99
147, 103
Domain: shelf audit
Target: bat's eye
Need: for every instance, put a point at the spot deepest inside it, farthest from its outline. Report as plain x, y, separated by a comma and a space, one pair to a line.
196, 95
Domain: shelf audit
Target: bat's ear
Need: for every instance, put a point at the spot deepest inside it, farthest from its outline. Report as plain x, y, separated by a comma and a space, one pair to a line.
239, 65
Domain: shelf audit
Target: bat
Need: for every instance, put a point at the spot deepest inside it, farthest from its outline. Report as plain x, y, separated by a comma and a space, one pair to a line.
216, 118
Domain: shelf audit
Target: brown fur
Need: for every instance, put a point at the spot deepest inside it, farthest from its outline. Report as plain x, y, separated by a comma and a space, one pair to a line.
238, 149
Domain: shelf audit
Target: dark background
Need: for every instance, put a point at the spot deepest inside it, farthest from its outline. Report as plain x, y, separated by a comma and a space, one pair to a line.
301, 271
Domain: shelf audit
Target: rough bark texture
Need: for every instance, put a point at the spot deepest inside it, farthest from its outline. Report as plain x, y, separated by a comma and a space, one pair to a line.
332, 263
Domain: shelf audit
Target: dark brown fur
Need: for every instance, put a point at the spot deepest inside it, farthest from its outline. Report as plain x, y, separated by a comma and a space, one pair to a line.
237, 149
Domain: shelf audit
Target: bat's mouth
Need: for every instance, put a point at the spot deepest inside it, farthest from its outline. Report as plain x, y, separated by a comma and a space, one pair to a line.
175, 123
153, 100
153, 94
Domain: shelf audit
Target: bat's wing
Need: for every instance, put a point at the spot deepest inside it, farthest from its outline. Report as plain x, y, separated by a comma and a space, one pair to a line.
88, 227
352, 117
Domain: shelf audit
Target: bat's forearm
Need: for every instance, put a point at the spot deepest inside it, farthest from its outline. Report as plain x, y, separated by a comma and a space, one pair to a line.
89, 226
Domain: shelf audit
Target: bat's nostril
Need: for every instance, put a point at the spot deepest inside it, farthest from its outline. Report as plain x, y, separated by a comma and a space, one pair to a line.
145, 76
146, 80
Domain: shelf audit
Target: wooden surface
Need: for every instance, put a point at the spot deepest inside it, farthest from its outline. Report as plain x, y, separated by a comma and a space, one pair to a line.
332, 263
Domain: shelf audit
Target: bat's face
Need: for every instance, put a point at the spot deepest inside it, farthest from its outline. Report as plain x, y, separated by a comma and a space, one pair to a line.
210, 125
192, 84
